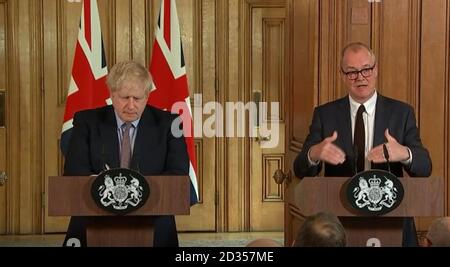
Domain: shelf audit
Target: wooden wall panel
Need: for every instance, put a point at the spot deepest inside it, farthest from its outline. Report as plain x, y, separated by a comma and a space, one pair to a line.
398, 49
122, 30
26, 104
3, 34
197, 18
61, 25
447, 114
3, 120
141, 42
303, 96
274, 72
204, 81
434, 89
223, 42
235, 157
302, 93
23, 74
272, 191
358, 21
393, 54
331, 24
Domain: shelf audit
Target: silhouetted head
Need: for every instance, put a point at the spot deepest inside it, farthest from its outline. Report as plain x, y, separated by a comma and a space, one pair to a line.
321, 230
439, 233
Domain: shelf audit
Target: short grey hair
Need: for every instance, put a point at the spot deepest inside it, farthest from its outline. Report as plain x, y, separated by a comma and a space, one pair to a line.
439, 232
128, 71
356, 47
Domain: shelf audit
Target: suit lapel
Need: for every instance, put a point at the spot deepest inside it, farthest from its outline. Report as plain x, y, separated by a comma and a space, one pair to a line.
108, 132
146, 137
345, 126
381, 121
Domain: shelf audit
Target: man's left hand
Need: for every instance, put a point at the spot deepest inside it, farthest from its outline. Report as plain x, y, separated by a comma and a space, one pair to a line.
396, 151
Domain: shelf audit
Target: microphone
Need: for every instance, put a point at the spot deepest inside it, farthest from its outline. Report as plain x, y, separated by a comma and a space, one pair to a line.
138, 169
355, 155
105, 166
134, 164
386, 156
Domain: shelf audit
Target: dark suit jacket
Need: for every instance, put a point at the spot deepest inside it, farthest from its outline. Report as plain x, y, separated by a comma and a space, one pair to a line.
156, 151
390, 114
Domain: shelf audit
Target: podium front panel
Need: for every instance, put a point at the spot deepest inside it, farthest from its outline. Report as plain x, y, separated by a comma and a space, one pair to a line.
71, 196
373, 231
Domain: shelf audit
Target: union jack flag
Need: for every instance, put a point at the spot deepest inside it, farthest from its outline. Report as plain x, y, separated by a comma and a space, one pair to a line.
170, 84
87, 87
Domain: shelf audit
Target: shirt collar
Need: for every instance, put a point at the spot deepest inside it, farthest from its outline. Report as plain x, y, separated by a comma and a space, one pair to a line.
120, 122
369, 105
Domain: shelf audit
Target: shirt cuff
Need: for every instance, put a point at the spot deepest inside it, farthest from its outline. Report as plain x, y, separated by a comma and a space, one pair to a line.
312, 163
409, 160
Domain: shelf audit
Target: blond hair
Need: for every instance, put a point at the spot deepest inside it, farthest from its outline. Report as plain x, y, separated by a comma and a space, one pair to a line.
128, 71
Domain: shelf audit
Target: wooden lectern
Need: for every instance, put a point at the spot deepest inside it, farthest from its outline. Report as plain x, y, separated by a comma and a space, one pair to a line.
71, 196
423, 197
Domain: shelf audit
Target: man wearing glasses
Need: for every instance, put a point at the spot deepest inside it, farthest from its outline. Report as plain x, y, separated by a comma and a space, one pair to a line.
358, 132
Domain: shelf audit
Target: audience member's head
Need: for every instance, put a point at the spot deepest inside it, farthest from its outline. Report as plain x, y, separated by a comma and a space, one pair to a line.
263, 242
439, 233
321, 230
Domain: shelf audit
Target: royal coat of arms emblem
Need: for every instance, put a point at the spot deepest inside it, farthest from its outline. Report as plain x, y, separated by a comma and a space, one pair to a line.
374, 192
120, 190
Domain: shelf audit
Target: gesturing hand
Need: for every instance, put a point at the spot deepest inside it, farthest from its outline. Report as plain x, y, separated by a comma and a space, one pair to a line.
397, 152
327, 151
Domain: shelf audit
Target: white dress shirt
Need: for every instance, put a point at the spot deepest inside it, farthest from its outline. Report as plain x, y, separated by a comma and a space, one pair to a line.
369, 126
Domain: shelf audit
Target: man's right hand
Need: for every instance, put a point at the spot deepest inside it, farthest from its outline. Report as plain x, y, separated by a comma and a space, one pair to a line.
327, 151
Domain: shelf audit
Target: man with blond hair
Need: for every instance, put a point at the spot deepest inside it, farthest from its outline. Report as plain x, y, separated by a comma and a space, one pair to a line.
99, 135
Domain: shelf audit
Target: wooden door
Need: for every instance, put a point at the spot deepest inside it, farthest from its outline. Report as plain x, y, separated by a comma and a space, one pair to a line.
268, 56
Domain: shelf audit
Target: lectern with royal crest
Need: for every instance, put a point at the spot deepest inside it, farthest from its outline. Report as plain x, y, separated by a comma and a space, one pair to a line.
121, 204
372, 205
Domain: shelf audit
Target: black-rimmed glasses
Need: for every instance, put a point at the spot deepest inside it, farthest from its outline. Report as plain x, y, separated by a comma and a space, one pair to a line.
353, 75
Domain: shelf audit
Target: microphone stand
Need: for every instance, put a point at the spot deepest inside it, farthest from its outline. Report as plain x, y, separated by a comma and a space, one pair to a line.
355, 154
386, 156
